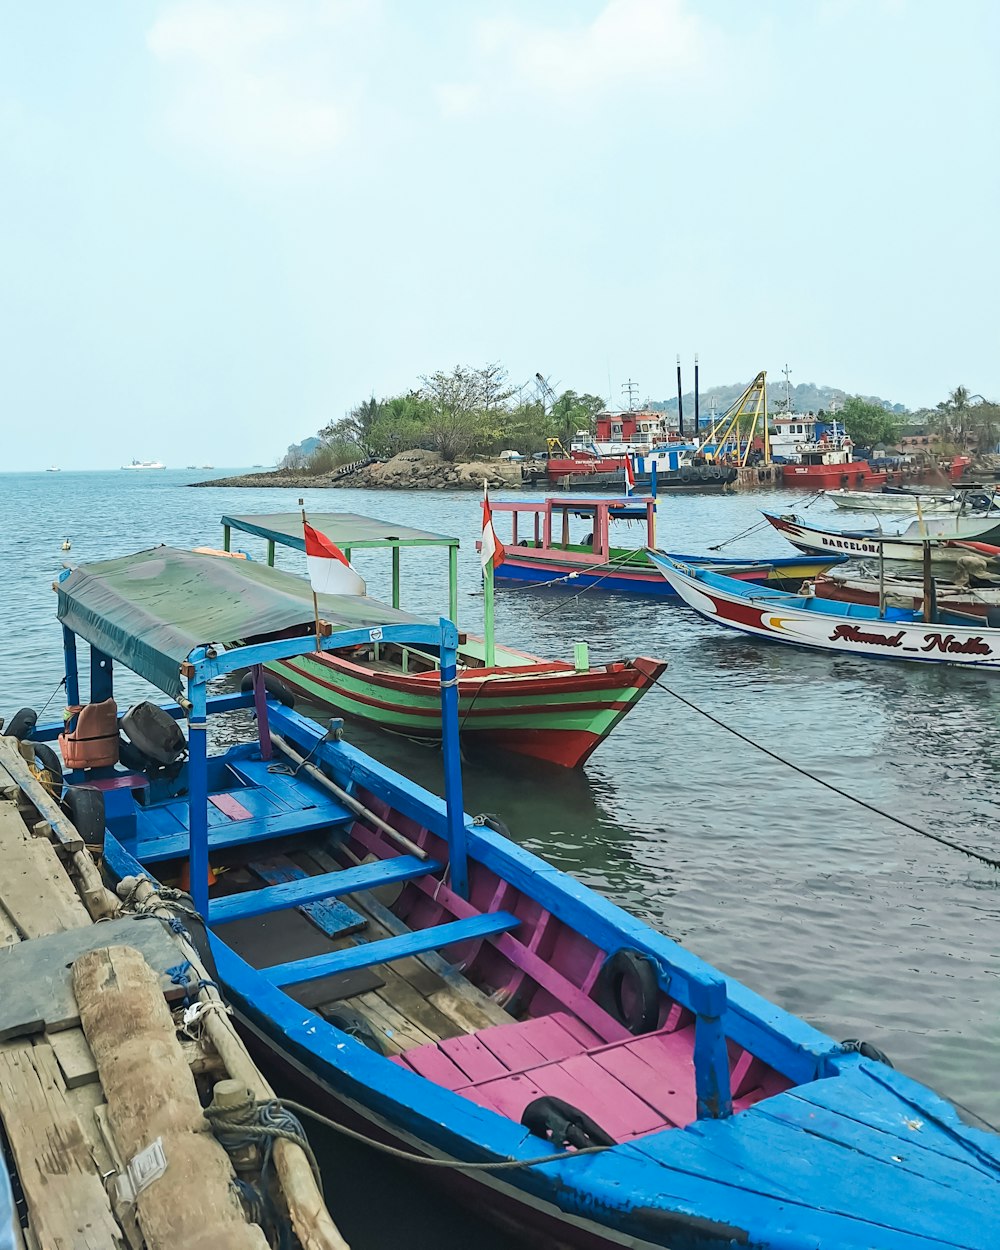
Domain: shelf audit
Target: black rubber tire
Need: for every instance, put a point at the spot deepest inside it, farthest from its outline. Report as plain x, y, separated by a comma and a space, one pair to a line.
354, 1025
85, 807
684, 475
49, 760
274, 686
22, 723
640, 1014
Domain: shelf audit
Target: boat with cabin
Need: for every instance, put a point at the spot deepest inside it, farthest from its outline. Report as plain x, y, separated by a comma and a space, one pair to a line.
570, 1070
539, 549
557, 711
137, 465
934, 635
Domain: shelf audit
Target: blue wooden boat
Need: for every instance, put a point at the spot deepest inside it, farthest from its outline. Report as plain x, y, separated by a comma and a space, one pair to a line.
540, 550
428, 980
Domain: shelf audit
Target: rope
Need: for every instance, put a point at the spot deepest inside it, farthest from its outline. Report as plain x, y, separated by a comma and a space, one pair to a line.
51, 697
989, 860
261, 1124
804, 503
410, 1157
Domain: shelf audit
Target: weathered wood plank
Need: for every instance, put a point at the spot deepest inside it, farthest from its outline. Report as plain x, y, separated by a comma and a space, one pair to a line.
74, 1057
69, 1207
37, 993
34, 887
14, 765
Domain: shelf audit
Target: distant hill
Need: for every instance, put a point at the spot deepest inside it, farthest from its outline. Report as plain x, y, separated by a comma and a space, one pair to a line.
806, 397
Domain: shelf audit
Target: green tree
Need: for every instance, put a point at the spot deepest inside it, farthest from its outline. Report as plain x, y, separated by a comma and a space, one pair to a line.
572, 412
869, 424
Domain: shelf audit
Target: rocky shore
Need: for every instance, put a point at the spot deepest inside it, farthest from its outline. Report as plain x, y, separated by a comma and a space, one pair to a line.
410, 470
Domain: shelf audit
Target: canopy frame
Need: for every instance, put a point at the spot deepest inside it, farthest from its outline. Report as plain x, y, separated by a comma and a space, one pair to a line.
289, 535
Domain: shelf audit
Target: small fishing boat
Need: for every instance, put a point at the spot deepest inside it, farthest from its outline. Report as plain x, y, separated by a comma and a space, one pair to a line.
945, 535
942, 637
552, 710
974, 593
570, 1070
540, 551
891, 501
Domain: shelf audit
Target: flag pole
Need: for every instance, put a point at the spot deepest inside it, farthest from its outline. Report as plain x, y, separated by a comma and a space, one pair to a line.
319, 645
488, 617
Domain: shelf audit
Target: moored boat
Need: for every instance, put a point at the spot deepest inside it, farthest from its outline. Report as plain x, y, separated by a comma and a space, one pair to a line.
977, 598
539, 550
571, 1070
858, 629
944, 535
902, 501
552, 710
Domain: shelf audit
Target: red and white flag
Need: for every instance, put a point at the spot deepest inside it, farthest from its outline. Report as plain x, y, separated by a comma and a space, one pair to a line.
330, 571
491, 549
629, 475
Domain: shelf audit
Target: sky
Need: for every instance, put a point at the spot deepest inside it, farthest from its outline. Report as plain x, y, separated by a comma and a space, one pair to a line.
226, 222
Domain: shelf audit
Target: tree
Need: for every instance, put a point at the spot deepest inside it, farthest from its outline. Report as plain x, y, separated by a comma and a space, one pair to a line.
572, 412
869, 424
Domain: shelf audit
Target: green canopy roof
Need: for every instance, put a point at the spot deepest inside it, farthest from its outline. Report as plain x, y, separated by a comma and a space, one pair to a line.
152, 609
347, 529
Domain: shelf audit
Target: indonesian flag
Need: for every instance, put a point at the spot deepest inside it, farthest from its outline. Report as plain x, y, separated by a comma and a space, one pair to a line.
330, 571
491, 550
629, 475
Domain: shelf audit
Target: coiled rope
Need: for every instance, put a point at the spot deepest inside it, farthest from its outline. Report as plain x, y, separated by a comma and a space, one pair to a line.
252, 1123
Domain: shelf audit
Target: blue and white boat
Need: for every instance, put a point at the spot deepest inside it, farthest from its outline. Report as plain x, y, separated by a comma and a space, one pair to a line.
889, 633
580, 1075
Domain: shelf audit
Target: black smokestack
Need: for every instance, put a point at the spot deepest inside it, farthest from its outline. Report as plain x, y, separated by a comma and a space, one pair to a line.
696, 393
680, 400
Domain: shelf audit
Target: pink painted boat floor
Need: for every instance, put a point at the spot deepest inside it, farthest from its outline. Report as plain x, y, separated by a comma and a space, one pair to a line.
631, 1086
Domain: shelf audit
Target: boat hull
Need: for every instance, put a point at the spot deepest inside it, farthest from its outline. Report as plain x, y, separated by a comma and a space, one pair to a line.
784, 619
548, 712
527, 567
872, 501
980, 602
828, 476
859, 544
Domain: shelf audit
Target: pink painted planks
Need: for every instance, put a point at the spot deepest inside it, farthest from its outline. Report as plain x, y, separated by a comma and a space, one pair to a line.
230, 807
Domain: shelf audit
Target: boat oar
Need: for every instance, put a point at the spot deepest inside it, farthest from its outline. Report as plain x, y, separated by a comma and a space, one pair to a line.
348, 800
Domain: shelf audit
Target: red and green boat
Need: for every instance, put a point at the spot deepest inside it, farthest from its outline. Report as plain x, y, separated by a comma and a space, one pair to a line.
513, 701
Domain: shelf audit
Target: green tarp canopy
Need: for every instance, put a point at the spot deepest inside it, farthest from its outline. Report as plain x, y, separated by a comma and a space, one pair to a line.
149, 611
347, 529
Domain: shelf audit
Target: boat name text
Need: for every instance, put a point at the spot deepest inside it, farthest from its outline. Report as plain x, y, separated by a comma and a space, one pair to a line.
947, 643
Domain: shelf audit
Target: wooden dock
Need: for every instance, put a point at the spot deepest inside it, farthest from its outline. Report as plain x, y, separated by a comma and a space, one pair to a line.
74, 989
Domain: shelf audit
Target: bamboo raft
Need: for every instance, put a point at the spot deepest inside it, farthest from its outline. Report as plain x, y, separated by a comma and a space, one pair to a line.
102, 1078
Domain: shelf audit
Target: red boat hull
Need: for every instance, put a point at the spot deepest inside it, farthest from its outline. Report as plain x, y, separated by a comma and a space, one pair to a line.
829, 476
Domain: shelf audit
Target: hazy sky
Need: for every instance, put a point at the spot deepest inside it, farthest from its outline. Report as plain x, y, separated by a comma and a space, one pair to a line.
224, 222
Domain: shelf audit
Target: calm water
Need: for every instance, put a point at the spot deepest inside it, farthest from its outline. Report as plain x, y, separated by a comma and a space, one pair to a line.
860, 927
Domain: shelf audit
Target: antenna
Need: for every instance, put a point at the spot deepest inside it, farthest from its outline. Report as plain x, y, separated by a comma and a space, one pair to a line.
788, 403
631, 389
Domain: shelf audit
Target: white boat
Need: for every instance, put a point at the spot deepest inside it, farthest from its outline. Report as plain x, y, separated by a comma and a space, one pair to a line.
874, 501
53, 468
144, 464
853, 628
948, 537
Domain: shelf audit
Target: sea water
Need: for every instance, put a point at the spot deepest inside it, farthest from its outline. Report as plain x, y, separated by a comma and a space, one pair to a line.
861, 927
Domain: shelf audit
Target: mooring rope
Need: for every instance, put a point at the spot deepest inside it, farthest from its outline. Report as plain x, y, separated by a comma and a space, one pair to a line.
299, 1108
989, 860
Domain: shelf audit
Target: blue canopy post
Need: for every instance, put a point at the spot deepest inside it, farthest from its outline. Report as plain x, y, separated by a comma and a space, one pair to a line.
71, 667
102, 681
450, 749
197, 719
